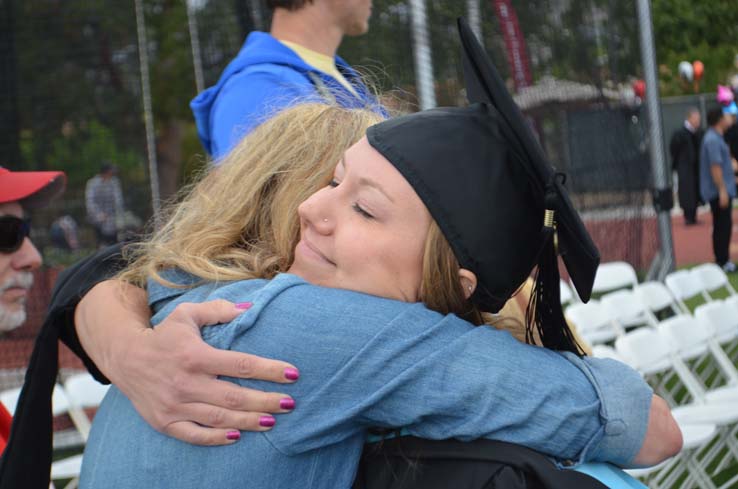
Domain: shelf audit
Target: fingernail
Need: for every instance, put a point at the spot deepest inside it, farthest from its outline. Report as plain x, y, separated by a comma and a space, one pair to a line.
291, 373
267, 421
244, 305
287, 403
233, 435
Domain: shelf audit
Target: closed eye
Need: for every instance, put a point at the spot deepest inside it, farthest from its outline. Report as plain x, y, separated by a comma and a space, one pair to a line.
362, 212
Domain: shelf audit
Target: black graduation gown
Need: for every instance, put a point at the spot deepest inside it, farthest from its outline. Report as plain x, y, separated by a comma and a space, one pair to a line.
426, 464
685, 156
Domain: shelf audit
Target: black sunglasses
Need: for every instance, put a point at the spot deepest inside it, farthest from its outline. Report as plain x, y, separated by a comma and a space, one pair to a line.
13, 230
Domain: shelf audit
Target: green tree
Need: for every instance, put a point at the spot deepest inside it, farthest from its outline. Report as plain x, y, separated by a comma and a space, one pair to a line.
695, 30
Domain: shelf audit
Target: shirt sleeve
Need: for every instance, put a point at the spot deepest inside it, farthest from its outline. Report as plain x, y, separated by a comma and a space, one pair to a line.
69, 289
712, 151
439, 377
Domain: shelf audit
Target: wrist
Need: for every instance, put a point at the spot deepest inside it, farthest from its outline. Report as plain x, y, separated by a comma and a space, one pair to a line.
107, 329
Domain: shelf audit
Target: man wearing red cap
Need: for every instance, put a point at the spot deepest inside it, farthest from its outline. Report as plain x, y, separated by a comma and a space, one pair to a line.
19, 192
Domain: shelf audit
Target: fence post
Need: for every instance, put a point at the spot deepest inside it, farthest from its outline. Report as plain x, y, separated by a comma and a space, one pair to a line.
663, 197
423, 55
143, 59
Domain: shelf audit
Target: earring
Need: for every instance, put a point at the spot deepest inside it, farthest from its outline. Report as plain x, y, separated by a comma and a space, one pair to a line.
469, 287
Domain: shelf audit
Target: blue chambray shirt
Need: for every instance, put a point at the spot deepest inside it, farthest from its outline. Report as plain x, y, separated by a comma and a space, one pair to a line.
371, 362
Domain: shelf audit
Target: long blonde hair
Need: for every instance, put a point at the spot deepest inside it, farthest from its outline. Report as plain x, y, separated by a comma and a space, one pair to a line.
239, 221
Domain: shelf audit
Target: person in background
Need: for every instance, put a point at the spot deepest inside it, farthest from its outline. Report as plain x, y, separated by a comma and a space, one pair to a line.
684, 148
104, 203
717, 184
296, 60
63, 233
731, 136
19, 192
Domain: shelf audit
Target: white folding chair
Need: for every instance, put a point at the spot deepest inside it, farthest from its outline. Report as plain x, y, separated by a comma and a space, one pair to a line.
656, 297
689, 340
683, 286
593, 322
604, 351
722, 318
625, 308
614, 275
68, 468
565, 292
9, 399
59, 400
712, 278
649, 351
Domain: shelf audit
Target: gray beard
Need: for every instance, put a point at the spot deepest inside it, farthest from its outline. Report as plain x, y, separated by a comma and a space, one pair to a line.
9, 320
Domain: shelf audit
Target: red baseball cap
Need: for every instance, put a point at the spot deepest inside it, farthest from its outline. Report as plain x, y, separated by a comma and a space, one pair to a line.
32, 189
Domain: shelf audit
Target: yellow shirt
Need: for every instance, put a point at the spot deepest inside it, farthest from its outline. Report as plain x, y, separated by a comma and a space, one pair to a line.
320, 62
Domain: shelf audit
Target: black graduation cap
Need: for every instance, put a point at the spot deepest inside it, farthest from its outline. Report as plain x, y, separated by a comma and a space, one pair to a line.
499, 203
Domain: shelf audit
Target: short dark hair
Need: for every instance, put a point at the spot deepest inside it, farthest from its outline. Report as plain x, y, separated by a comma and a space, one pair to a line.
714, 116
692, 110
288, 4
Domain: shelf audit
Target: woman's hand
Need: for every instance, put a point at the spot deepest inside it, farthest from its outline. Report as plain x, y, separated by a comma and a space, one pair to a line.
169, 373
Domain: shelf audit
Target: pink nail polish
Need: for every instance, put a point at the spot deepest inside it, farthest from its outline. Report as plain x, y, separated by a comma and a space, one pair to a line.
267, 421
233, 435
291, 373
244, 305
287, 403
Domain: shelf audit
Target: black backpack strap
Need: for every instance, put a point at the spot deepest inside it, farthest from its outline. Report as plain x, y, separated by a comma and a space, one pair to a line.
410, 462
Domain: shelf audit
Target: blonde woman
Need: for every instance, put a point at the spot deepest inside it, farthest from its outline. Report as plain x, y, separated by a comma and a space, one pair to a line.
365, 361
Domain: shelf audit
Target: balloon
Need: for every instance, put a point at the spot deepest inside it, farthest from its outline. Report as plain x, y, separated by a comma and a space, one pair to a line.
698, 69
639, 87
724, 95
686, 71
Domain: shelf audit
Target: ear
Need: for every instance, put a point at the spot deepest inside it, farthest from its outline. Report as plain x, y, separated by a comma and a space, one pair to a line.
468, 282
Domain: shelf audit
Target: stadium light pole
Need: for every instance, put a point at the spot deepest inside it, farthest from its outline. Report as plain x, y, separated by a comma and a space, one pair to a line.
195, 45
143, 61
422, 54
663, 198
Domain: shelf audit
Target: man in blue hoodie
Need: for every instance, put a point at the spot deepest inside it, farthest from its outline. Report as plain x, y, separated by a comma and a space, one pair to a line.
295, 62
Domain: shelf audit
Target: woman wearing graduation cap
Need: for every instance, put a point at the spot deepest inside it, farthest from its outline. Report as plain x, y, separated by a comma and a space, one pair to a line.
370, 355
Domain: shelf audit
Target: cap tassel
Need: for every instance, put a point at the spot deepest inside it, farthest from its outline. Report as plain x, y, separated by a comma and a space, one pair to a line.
544, 311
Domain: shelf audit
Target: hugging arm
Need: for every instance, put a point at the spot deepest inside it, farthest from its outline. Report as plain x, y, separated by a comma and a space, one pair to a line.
438, 377
169, 373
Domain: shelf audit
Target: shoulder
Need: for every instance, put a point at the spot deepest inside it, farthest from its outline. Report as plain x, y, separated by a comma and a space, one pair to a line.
327, 310
254, 81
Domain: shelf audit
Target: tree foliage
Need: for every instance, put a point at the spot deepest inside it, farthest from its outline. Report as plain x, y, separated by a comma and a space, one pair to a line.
695, 30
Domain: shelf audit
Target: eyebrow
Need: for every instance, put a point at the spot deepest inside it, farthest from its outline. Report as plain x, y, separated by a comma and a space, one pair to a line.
369, 183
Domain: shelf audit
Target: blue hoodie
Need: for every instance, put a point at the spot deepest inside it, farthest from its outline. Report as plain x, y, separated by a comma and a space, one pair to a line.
265, 77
